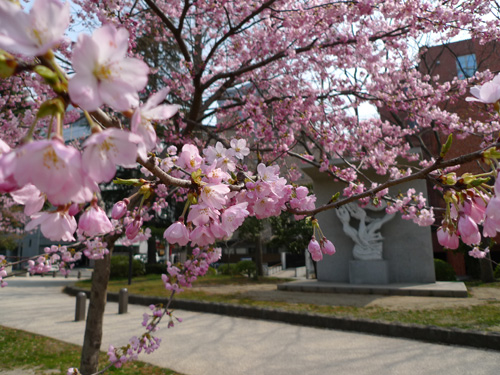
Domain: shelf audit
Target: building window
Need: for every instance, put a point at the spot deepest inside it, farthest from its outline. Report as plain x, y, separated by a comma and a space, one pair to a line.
466, 66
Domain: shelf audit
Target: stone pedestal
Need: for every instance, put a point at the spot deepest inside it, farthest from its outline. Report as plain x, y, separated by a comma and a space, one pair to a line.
368, 272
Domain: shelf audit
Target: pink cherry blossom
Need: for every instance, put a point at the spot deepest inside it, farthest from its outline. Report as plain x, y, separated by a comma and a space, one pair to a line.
55, 225
94, 222
469, 232
30, 197
476, 209
478, 254
119, 209
268, 173
105, 150
446, 239
327, 247
240, 148
315, 250
7, 167
218, 231
177, 233
104, 75
189, 158
151, 111
74, 209
201, 214
201, 236
214, 153
54, 168
35, 33
486, 93
133, 228
233, 217
214, 195
490, 228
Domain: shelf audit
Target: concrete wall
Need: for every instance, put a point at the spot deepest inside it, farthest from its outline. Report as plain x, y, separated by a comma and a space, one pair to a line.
407, 247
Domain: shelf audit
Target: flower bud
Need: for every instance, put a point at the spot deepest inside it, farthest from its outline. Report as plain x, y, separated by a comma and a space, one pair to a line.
74, 209
119, 209
315, 250
133, 228
8, 64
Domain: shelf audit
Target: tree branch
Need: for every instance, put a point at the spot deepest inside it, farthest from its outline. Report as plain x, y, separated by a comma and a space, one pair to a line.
175, 31
438, 164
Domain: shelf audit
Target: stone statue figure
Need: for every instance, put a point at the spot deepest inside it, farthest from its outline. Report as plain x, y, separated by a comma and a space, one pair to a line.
367, 239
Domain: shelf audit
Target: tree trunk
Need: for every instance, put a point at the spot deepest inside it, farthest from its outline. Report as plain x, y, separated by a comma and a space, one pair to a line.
89, 362
486, 268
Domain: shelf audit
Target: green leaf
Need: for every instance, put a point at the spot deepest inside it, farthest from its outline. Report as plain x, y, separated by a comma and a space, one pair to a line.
47, 74
51, 108
446, 147
132, 181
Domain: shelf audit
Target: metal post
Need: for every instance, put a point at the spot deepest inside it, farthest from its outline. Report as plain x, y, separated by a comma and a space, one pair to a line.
123, 301
130, 266
81, 301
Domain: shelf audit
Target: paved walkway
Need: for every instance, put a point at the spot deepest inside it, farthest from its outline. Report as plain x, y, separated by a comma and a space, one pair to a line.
207, 344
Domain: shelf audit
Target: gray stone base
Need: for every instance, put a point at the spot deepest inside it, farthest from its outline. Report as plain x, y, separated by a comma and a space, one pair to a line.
454, 289
368, 272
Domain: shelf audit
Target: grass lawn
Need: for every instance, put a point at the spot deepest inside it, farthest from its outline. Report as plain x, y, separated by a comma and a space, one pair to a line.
24, 350
484, 317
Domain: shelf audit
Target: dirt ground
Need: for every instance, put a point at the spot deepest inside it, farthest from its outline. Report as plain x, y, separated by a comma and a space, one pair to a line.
25, 371
267, 292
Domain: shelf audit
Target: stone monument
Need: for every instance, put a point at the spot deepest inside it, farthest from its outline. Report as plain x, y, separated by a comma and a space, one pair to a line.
372, 247
368, 266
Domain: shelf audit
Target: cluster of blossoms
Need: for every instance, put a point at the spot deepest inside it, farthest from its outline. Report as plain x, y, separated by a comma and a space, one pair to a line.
221, 192
324, 246
466, 212
59, 255
182, 275
48, 170
413, 207
477, 253
220, 203
146, 343
478, 205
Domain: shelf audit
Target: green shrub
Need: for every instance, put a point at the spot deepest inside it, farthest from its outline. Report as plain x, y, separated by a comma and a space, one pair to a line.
497, 271
156, 268
227, 269
444, 271
247, 268
119, 267
211, 271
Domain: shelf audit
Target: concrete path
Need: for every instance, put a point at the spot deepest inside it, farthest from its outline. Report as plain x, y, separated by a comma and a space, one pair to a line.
206, 344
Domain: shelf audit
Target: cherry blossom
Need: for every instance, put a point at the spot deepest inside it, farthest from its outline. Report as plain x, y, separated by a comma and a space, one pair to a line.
94, 221
177, 233
282, 79
104, 75
489, 92
151, 111
35, 33
240, 148
315, 250
120, 209
30, 197
56, 225
109, 148
54, 168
